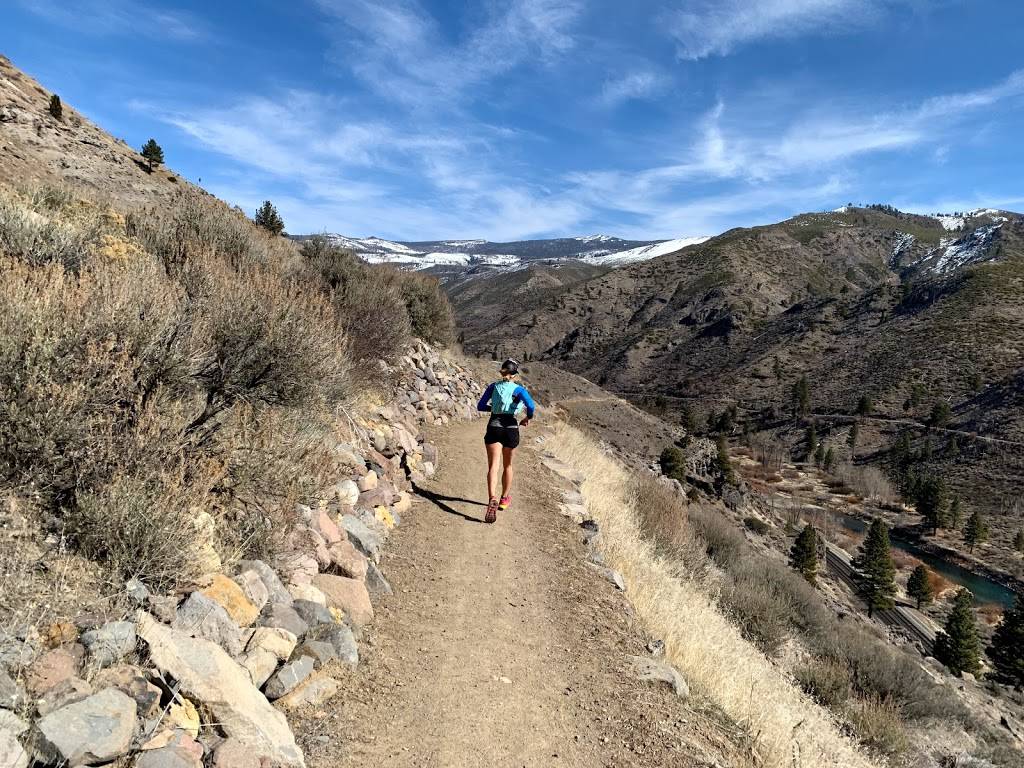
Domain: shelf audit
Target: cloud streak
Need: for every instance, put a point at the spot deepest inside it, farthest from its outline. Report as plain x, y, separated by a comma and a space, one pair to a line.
716, 27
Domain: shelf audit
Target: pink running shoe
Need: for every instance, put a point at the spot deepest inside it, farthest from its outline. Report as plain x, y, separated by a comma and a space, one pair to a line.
505, 503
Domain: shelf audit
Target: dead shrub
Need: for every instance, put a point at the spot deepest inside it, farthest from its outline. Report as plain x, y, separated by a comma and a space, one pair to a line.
878, 723
723, 542
663, 514
825, 680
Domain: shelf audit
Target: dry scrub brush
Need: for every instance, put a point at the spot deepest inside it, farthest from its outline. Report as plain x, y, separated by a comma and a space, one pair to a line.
699, 639
180, 361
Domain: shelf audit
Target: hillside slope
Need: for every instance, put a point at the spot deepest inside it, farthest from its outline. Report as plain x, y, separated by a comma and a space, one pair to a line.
36, 148
860, 301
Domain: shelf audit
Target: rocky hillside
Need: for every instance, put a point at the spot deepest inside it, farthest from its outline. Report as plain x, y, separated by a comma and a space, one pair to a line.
909, 310
37, 148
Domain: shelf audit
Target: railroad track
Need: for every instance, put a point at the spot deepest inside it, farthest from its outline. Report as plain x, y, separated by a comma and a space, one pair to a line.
903, 617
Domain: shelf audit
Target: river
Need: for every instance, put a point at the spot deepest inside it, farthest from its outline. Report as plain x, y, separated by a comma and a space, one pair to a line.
984, 589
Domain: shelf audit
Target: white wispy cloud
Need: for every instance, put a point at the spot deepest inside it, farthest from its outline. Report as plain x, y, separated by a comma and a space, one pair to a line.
716, 27
120, 17
397, 48
640, 84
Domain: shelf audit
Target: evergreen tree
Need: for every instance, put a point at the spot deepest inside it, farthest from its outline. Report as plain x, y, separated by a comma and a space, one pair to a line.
812, 439
851, 440
940, 414
931, 500
864, 405
901, 452
268, 218
56, 108
958, 647
975, 530
712, 421
803, 556
801, 397
1007, 648
722, 460
919, 586
673, 463
956, 513
829, 460
875, 569
1018, 540
153, 154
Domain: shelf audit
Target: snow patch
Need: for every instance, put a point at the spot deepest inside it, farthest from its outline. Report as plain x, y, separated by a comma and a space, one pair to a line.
644, 252
594, 238
904, 242
953, 254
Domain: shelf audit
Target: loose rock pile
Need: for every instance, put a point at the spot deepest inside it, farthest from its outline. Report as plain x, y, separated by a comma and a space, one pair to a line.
207, 677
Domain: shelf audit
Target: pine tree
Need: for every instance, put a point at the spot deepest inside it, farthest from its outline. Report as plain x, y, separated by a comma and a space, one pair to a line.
803, 556
1018, 540
956, 513
153, 154
56, 108
268, 218
931, 500
819, 455
1007, 648
829, 460
875, 569
851, 440
919, 586
901, 452
975, 530
864, 405
940, 414
958, 647
722, 460
673, 463
812, 439
801, 397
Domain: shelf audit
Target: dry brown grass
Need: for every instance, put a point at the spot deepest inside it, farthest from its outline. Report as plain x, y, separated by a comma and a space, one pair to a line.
706, 647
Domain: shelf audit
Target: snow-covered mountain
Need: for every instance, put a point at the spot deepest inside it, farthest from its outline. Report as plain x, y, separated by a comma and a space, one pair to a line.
604, 250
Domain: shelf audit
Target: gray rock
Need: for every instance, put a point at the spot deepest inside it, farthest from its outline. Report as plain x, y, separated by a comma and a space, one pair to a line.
362, 537
657, 671
288, 677
65, 692
168, 757
611, 575
95, 730
275, 587
12, 695
137, 591
656, 647
260, 664
376, 584
313, 613
252, 586
16, 653
341, 639
200, 616
11, 723
12, 755
283, 617
164, 607
110, 643
205, 673
311, 693
320, 651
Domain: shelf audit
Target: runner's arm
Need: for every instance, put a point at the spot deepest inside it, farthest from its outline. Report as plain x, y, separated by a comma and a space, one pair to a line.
485, 401
523, 395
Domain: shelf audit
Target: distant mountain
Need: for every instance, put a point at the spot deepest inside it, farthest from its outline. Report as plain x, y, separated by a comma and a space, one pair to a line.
912, 311
457, 255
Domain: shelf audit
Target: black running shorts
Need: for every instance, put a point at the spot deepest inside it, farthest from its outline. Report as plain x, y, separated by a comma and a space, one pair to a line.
502, 429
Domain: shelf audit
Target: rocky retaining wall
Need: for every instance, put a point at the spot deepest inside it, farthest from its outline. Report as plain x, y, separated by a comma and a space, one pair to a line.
207, 677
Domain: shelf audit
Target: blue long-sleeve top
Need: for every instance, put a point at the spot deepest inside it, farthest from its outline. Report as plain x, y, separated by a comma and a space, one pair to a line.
520, 396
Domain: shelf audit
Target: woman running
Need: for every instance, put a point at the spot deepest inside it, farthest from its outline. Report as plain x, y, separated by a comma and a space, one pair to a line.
503, 398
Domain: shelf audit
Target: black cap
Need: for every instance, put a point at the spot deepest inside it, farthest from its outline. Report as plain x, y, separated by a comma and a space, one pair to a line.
510, 366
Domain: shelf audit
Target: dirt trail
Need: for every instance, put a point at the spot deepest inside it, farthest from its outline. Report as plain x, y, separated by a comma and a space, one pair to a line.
500, 646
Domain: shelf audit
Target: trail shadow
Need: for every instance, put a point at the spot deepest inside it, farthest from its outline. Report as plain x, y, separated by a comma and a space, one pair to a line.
439, 501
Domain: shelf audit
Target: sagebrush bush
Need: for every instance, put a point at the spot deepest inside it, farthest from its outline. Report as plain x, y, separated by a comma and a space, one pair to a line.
878, 723
825, 680
174, 364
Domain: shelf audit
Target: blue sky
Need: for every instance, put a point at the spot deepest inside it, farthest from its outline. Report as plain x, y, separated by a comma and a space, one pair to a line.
411, 119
